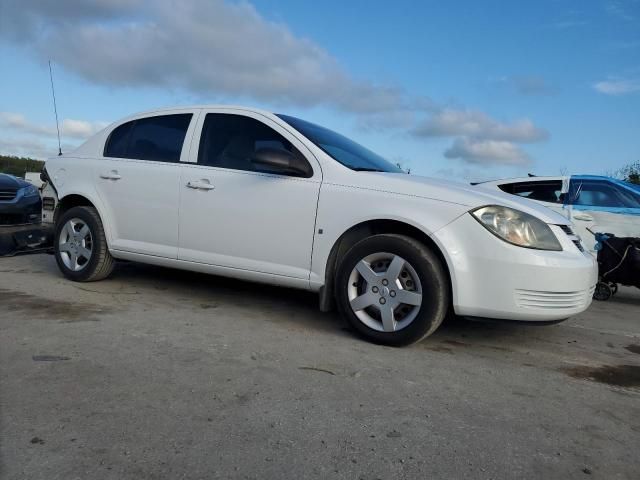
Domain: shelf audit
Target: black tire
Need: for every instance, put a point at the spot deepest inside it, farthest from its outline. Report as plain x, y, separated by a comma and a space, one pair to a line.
431, 273
603, 292
101, 263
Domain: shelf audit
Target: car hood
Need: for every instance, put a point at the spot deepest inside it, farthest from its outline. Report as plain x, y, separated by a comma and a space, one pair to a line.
9, 181
454, 192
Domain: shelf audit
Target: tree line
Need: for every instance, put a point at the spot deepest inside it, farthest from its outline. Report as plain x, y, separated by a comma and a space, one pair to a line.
18, 166
629, 173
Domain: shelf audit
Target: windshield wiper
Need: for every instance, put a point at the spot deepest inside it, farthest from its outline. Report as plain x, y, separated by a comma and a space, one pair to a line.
366, 169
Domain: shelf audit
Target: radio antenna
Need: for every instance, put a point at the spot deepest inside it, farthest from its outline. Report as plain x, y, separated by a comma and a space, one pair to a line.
55, 108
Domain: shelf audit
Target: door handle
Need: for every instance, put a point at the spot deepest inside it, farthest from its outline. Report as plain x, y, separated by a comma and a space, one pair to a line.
202, 185
585, 217
112, 175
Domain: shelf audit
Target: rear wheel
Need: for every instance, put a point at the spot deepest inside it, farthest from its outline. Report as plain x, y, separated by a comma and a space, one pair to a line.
392, 289
81, 247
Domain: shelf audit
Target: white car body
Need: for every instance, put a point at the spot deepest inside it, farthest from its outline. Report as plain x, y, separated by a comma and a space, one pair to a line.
282, 230
622, 220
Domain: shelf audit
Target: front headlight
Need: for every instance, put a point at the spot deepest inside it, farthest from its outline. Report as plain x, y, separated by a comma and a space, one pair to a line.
517, 227
30, 191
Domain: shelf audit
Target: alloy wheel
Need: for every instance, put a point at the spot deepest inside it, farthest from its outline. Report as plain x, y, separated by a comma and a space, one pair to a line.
385, 292
75, 244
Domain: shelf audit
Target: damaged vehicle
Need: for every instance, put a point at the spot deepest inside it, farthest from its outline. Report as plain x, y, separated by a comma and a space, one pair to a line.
20, 216
593, 203
249, 194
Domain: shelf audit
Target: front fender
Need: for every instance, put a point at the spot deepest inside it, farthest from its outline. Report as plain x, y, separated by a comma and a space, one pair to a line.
340, 208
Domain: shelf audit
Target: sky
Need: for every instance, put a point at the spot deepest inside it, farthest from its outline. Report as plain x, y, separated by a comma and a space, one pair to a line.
462, 89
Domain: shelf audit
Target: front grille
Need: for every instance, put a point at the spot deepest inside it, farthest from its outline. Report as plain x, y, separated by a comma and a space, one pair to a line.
567, 229
552, 300
572, 236
7, 194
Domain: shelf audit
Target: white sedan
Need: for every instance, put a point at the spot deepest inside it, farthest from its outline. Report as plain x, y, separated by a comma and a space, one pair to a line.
271, 198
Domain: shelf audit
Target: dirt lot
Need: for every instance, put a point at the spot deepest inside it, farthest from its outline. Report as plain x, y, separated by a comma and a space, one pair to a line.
157, 373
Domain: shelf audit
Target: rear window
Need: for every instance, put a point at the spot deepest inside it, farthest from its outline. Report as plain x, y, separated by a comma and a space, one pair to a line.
153, 138
543, 191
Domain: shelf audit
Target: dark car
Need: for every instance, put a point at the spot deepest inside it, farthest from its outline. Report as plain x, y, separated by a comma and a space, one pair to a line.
20, 216
20, 202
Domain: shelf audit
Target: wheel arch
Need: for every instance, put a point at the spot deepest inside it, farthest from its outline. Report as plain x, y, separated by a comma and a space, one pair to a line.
366, 229
78, 199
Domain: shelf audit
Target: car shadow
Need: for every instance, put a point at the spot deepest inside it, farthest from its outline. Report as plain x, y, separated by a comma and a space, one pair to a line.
205, 291
294, 308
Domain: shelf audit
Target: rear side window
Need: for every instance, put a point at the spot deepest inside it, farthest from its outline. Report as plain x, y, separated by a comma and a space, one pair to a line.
229, 141
544, 191
153, 138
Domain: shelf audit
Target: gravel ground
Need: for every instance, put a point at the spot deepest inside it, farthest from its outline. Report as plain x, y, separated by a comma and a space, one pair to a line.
157, 373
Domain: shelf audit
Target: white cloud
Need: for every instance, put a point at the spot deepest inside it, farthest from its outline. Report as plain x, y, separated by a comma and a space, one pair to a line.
80, 128
622, 9
77, 129
213, 48
22, 137
618, 86
207, 47
487, 151
30, 147
17, 121
450, 122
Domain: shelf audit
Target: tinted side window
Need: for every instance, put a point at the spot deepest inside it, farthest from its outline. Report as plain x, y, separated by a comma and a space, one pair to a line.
629, 198
154, 138
599, 194
229, 141
117, 142
543, 191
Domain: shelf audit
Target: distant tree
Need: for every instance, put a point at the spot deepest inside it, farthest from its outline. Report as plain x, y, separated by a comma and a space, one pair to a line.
18, 166
628, 173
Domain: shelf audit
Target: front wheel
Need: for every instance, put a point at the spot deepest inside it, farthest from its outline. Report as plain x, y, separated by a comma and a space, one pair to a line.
603, 292
81, 246
392, 289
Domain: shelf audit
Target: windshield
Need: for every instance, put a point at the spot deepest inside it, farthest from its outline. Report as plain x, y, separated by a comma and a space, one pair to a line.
340, 148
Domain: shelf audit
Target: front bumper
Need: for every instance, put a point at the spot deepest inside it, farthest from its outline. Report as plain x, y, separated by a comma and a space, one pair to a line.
25, 239
21, 211
494, 279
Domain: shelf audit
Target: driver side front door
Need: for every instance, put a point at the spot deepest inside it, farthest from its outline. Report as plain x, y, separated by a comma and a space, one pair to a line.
235, 216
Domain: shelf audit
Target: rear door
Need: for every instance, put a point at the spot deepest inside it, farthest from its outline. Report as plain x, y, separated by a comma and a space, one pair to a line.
234, 215
138, 180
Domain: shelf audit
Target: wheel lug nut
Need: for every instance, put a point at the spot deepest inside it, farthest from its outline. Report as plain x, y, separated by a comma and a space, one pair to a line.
385, 282
374, 289
383, 301
392, 293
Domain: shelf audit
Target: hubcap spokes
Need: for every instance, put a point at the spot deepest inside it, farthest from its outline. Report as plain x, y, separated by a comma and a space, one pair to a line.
385, 292
75, 244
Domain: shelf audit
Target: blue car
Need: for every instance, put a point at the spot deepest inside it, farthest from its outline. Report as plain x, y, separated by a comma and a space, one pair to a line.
20, 217
20, 202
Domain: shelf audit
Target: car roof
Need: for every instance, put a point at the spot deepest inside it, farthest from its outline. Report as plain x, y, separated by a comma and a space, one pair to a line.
201, 106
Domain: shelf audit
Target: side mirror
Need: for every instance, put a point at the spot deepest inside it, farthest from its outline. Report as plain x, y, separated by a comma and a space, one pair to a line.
282, 162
